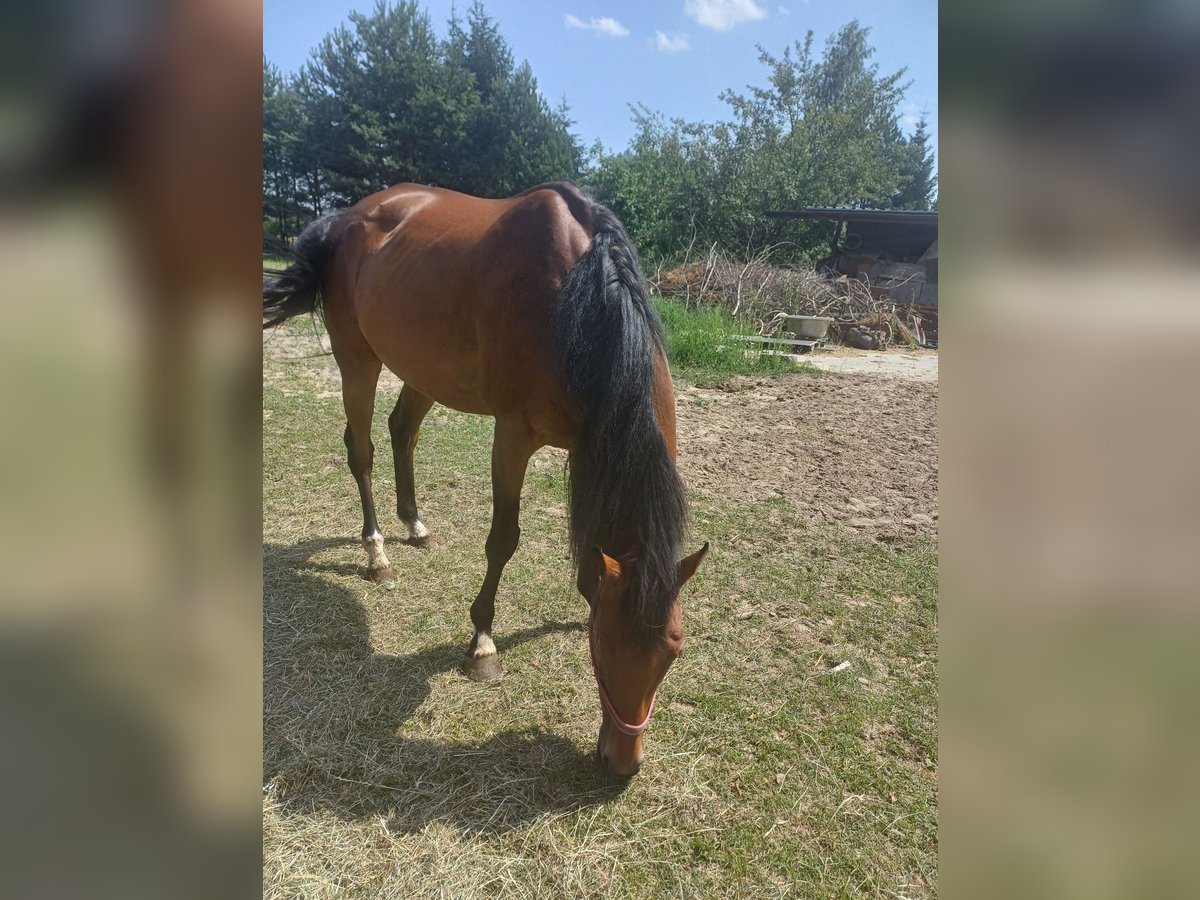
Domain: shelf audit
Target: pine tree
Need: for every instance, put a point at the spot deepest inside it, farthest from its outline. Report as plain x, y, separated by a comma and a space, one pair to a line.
917, 177
383, 100
284, 206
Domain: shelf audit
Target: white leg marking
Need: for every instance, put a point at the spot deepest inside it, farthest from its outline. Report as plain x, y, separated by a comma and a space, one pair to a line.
483, 645
374, 546
417, 530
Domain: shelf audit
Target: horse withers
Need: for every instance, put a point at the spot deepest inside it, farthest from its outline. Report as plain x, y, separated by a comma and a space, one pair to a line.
532, 310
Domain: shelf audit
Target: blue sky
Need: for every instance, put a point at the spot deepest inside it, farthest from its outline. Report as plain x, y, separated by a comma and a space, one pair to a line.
605, 54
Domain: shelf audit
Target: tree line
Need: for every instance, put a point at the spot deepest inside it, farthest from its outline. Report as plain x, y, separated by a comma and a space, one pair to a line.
386, 100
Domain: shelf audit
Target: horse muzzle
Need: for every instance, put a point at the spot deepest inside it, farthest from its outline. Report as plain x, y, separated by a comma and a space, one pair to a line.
617, 754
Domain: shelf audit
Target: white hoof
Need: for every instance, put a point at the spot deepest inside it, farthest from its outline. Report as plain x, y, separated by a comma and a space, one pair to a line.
377, 559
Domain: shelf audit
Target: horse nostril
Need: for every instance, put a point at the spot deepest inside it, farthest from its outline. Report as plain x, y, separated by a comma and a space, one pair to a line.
606, 763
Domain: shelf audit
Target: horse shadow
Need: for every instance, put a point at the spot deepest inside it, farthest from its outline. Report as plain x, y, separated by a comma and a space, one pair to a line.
332, 707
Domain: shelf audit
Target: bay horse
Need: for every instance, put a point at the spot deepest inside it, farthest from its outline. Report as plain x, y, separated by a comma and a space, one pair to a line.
532, 310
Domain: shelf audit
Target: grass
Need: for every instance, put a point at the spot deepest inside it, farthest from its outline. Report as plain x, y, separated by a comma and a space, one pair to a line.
388, 774
703, 344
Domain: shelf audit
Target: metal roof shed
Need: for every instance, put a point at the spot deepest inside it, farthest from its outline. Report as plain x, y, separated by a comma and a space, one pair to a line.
902, 234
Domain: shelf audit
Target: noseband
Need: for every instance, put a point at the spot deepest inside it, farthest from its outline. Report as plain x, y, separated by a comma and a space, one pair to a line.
622, 726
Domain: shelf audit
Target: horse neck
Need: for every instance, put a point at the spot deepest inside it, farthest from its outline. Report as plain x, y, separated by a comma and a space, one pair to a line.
663, 396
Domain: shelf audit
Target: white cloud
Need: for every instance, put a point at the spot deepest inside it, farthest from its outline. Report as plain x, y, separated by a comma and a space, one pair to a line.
673, 43
605, 25
722, 15
910, 114
784, 11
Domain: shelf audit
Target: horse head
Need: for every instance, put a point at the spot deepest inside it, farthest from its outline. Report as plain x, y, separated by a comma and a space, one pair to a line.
629, 661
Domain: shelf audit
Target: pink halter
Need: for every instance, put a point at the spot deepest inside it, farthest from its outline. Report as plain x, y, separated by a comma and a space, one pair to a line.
621, 724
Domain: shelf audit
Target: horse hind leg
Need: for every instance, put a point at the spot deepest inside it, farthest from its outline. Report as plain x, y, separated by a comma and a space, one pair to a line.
405, 425
358, 395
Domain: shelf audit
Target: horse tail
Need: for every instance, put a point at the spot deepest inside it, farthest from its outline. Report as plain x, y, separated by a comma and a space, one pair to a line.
624, 488
297, 289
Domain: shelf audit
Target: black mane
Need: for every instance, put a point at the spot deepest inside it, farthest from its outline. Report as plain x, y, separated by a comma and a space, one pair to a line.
625, 494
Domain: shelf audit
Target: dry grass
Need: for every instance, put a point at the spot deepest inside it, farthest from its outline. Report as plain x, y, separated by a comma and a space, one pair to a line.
389, 774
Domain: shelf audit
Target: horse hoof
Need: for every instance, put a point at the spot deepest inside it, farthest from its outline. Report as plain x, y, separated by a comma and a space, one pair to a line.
424, 543
382, 575
482, 668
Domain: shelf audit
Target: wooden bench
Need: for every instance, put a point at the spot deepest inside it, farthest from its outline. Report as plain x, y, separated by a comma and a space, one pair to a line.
806, 346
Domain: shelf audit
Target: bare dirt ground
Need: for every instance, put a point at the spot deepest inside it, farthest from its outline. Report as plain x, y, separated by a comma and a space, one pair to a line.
857, 450
858, 447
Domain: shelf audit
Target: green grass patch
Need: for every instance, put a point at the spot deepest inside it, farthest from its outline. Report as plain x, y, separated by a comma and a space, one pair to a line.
703, 344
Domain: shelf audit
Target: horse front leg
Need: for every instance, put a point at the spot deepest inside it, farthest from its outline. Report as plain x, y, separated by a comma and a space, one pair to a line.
511, 448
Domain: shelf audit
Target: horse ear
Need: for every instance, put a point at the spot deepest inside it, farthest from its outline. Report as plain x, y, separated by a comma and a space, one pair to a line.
689, 564
605, 563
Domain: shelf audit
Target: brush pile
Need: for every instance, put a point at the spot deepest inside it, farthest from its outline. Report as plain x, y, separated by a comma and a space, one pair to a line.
763, 291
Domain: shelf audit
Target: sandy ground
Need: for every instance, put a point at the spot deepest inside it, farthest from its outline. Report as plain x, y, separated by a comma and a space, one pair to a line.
916, 365
858, 448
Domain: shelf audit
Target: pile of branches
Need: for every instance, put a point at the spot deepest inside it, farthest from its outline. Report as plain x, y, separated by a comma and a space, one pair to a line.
764, 292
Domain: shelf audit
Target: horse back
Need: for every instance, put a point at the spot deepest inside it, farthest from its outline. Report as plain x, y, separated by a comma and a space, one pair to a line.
456, 294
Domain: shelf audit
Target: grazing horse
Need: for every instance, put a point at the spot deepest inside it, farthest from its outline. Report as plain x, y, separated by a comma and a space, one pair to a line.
532, 310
